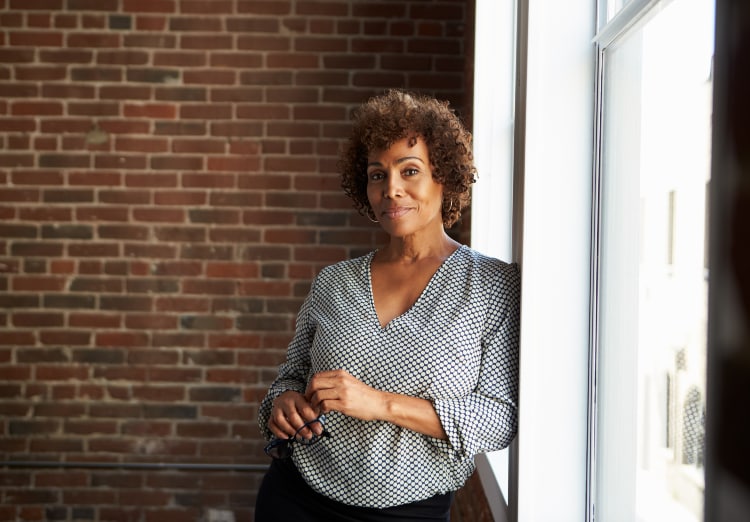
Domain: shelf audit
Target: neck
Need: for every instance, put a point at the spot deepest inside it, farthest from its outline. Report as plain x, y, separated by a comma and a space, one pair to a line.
410, 248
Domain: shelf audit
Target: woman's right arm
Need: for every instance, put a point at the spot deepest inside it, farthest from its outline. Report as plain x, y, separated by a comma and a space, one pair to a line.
284, 405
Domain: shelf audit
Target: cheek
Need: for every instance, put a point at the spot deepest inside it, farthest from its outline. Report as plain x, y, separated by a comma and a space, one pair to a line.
371, 195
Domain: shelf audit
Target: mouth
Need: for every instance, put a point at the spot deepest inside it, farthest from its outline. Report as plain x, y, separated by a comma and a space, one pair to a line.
395, 212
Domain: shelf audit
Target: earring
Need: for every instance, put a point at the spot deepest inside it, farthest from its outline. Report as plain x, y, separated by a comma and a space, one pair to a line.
367, 213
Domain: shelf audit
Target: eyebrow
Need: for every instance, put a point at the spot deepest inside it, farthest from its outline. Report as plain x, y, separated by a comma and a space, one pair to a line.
398, 161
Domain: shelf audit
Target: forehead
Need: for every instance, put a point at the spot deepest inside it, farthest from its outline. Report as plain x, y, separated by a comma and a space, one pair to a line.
408, 146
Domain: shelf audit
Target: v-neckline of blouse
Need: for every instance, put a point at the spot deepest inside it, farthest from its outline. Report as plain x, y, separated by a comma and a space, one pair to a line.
373, 308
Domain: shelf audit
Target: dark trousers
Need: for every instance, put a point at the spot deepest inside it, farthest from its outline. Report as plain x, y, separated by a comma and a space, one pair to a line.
284, 496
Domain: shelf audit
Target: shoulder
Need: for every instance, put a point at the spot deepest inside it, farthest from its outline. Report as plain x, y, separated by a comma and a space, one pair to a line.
488, 269
346, 267
343, 273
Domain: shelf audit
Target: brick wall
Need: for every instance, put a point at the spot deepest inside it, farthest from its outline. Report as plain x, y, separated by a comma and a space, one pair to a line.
168, 189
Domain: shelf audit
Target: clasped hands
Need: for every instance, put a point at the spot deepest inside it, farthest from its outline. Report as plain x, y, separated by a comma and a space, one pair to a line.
334, 390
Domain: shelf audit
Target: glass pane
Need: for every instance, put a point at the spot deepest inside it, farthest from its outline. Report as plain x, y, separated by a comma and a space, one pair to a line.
613, 7
653, 281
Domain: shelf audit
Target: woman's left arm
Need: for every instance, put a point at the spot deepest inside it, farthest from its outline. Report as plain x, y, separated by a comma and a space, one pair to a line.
338, 390
487, 419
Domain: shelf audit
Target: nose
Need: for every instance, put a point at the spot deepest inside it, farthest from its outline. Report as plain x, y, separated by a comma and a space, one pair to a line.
393, 186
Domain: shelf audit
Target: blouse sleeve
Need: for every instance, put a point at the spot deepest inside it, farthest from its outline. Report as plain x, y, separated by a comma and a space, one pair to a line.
293, 373
487, 419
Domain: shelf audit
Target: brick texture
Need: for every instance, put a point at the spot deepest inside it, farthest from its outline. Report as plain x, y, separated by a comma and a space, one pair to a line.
168, 189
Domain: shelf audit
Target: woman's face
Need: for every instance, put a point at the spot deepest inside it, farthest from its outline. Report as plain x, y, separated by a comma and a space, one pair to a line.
401, 190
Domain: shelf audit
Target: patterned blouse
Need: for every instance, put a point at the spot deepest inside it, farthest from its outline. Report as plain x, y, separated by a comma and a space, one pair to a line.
457, 346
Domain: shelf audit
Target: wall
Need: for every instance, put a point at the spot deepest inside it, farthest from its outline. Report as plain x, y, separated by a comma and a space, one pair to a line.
168, 189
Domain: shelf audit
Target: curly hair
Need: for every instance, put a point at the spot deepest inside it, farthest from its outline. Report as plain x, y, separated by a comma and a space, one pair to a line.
395, 115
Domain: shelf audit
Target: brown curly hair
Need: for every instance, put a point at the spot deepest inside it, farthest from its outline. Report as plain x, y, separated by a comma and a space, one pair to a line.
395, 115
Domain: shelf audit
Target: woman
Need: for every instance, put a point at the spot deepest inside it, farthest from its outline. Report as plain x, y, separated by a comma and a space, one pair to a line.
404, 364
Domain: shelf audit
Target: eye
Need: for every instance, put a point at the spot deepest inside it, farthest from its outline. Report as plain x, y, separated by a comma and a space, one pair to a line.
411, 172
375, 175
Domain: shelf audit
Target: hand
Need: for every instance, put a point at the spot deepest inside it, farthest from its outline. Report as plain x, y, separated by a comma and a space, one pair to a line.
338, 390
289, 412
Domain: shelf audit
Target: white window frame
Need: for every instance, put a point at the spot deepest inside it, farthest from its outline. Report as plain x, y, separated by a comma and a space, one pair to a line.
551, 190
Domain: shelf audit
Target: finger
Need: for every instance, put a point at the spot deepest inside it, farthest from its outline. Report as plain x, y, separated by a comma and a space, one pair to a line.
284, 420
284, 424
324, 381
317, 397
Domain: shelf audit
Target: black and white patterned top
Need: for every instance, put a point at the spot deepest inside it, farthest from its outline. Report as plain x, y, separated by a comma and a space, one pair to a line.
457, 346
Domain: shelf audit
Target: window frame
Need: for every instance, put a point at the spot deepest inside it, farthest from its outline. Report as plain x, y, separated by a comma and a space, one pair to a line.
552, 173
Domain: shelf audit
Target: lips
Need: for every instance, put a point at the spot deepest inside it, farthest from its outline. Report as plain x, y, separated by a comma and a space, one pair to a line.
395, 212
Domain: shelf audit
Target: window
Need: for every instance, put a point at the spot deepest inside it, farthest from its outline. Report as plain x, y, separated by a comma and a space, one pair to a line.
626, 443
650, 275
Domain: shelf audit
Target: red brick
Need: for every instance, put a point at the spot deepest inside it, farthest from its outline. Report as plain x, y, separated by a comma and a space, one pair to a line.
120, 161
293, 236
322, 9
232, 270
211, 287
16, 160
141, 144
38, 177
267, 217
150, 110
270, 77
125, 92
40, 73
247, 60
89, 496
203, 7
242, 341
95, 178
92, 5
16, 125
93, 21
150, 322
127, 57
149, 6
245, 94
201, 24
55, 373
234, 163
150, 251
215, 181
35, 38
176, 162
159, 215
179, 197
206, 42
38, 284
206, 111
101, 213
182, 304
93, 250
210, 146
60, 479
117, 339
152, 23
264, 7
161, 180
24, 143
37, 319
233, 235
94, 320
93, 40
